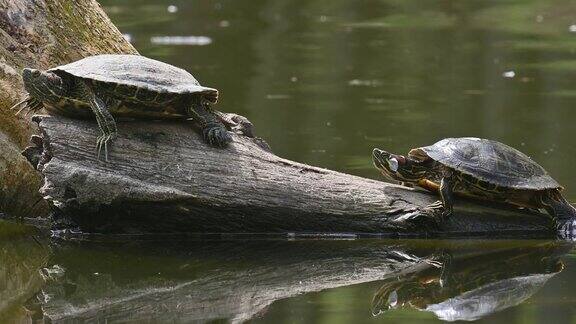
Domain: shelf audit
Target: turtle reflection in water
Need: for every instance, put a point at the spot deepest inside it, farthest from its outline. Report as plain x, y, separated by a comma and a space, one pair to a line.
108, 86
469, 287
479, 168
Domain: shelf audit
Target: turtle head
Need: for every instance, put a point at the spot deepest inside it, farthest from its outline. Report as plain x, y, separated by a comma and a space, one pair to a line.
397, 167
43, 86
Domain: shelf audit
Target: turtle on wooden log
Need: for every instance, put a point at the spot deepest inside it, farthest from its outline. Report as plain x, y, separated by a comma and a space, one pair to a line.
116, 85
177, 185
480, 168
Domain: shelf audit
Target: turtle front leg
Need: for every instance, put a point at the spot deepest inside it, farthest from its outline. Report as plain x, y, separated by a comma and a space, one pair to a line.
213, 130
443, 208
106, 122
107, 125
447, 194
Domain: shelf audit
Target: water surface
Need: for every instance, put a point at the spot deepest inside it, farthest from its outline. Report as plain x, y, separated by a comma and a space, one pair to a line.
325, 82
288, 281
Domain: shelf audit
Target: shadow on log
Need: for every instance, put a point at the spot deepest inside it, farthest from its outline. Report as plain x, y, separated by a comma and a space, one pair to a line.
163, 178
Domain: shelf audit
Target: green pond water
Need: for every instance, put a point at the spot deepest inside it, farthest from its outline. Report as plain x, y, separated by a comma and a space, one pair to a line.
324, 82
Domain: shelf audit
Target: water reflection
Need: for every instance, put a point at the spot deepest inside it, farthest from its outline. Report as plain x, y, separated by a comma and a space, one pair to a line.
21, 258
467, 286
240, 280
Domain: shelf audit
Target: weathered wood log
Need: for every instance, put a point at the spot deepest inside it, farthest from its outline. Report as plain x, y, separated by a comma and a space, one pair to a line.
162, 177
40, 34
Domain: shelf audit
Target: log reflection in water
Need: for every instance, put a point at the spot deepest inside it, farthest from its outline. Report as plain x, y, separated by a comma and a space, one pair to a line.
237, 280
21, 258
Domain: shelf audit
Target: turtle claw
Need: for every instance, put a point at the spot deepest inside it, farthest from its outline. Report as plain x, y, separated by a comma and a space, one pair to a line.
29, 104
106, 148
98, 150
437, 205
20, 110
102, 143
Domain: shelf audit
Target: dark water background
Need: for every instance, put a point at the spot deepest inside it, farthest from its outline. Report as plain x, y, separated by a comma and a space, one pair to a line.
325, 82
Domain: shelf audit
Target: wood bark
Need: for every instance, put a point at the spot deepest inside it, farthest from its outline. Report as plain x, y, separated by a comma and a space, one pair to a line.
40, 34
162, 177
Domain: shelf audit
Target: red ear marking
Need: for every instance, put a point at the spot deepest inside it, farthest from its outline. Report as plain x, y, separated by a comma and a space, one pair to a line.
401, 159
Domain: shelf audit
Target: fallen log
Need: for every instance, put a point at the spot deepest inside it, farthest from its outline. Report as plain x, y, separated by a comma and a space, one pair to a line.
162, 177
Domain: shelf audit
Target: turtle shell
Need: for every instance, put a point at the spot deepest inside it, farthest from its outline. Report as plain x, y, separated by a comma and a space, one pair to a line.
139, 72
489, 161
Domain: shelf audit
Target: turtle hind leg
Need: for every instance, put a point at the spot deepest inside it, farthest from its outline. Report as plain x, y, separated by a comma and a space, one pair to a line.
562, 212
28, 103
557, 206
213, 130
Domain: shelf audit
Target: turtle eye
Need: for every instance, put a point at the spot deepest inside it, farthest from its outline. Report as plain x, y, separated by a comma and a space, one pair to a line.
393, 164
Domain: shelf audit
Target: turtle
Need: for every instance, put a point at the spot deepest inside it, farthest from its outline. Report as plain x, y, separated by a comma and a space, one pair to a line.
124, 86
479, 168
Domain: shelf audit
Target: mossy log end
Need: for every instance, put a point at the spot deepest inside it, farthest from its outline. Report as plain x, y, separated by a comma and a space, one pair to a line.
40, 34
162, 177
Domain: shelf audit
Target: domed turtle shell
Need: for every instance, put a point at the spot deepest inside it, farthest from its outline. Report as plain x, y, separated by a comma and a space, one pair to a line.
489, 161
137, 71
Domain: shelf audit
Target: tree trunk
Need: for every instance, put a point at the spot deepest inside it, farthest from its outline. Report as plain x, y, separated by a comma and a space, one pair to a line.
40, 34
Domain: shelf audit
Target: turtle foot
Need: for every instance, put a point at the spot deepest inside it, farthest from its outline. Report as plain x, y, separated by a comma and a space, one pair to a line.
438, 211
217, 136
432, 215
